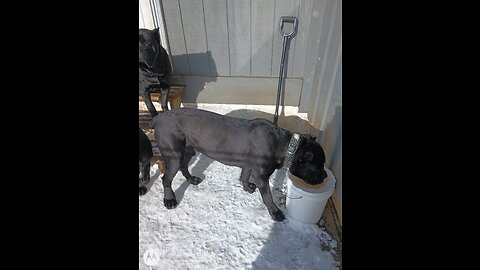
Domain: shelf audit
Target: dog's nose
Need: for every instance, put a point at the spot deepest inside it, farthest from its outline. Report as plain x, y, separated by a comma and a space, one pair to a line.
319, 178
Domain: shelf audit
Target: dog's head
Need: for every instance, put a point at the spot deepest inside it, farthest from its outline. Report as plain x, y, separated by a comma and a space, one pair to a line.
308, 161
148, 46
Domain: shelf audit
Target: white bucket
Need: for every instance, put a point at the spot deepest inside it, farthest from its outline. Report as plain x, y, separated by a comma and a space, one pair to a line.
305, 202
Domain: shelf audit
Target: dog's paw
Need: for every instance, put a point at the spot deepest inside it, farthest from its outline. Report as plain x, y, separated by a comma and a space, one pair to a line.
194, 180
277, 215
170, 204
250, 187
142, 191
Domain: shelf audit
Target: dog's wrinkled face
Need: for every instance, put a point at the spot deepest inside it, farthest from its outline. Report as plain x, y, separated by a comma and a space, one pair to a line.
308, 162
148, 46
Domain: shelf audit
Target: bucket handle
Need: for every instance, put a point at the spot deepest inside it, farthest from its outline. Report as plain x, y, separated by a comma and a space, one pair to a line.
294, 198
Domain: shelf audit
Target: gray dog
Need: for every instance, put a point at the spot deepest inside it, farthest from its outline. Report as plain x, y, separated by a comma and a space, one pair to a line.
257, 146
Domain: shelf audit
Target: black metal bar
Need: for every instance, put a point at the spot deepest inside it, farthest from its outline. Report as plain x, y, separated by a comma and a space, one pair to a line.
281, 79
281, 76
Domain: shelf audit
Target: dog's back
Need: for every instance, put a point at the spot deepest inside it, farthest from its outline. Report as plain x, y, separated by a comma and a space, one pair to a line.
223, 138
194, 123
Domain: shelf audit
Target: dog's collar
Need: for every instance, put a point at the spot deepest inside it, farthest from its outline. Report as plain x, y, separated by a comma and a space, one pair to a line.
292, 148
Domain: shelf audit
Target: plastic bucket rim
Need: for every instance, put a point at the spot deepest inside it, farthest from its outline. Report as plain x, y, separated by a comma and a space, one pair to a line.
302, 192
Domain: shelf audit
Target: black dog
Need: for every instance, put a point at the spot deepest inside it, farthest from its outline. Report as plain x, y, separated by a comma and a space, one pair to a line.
145, 155
154, 69
257, 146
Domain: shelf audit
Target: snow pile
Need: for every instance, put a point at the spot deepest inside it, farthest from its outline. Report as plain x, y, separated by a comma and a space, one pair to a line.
217, 225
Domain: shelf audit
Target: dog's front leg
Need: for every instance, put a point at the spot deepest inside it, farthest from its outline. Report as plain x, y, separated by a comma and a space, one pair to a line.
148, 101
261, 179
164, 97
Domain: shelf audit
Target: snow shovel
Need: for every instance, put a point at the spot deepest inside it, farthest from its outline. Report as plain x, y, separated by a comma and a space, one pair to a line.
286, 39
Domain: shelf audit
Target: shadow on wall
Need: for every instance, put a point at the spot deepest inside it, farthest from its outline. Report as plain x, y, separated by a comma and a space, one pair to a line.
198, 69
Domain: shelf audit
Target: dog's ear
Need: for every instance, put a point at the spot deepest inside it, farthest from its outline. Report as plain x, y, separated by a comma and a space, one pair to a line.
309, 156
157, 35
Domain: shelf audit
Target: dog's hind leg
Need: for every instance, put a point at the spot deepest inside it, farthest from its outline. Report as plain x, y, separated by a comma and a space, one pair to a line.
142, 191
244, 177
171, 168
145, 174
188, 153
145, 179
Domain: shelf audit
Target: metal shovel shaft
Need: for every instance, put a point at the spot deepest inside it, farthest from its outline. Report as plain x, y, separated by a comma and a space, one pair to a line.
281, 78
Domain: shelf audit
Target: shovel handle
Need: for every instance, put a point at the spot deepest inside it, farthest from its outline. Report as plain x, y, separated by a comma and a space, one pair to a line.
289, 19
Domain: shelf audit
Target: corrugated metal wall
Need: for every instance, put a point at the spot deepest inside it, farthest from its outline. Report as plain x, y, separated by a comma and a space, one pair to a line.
241, 37
322, 89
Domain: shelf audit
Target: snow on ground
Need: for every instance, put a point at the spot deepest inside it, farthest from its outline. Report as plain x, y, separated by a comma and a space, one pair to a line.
217, 225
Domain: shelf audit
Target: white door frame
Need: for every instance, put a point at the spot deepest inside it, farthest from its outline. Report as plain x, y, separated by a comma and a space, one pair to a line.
151, 14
